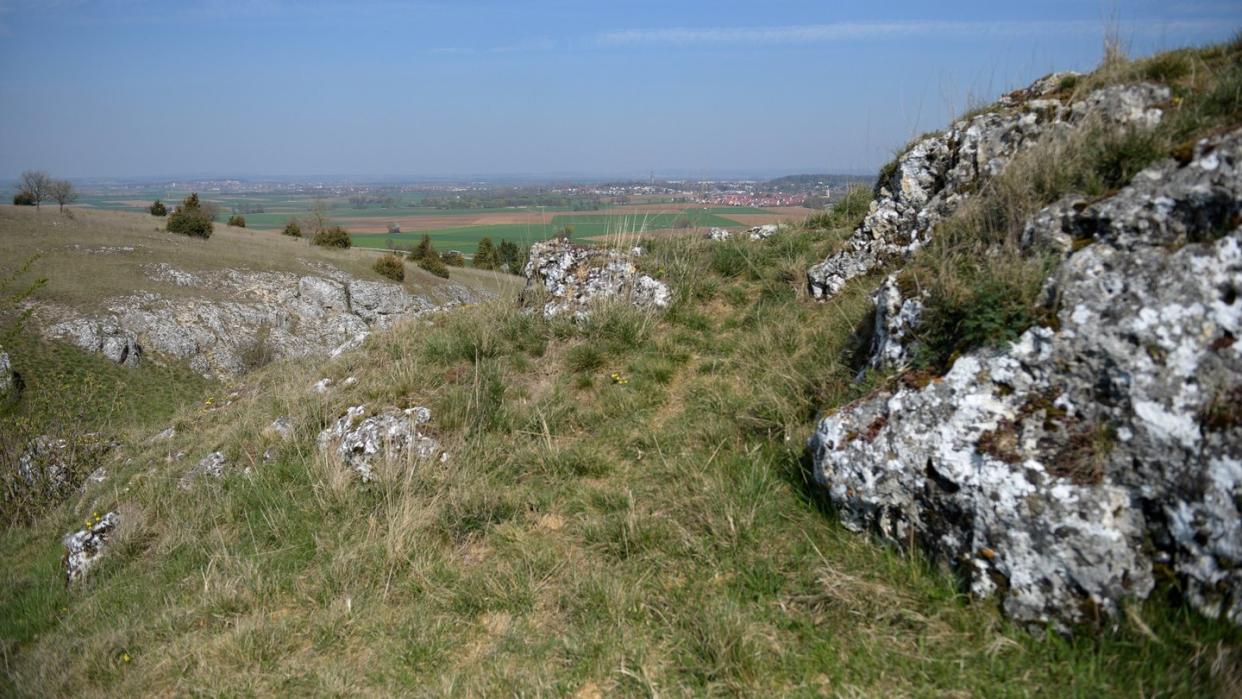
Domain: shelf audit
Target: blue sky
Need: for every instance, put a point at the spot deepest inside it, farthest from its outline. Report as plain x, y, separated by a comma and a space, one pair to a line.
138, 87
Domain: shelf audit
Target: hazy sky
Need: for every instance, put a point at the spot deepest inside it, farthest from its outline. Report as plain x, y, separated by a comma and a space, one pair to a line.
137, 87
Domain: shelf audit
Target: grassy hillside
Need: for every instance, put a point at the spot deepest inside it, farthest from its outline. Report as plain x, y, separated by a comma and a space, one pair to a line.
94, 255
624, 511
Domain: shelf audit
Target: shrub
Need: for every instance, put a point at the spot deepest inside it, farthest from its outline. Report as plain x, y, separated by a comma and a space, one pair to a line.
510, 257
390, 266
157, 208
334, 237
432, 263
237, 220
190, 219
485, 257
23, 198
453, 258
424, 250
292, 229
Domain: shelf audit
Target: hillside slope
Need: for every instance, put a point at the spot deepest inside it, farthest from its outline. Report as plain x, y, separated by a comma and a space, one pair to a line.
489, 501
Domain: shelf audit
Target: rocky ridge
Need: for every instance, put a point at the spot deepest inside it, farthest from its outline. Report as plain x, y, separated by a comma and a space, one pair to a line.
931, 179
240, 313
1069, 471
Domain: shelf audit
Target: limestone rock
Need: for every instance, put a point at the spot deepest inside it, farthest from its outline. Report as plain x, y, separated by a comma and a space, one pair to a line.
85, 547
718, 234
896, 318
1057, 472
55, 465
211, 465
763, 232
8, 384
281, 429
358, 441
576, 277
295, 315
931, 179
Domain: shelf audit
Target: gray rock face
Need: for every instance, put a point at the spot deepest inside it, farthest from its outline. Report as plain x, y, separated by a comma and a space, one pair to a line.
281, 429
8, 384
55, 465
358, 441
1057, 472
718, 234
935, 175
211, 465
763, 232
85, 547
296, 316
577, 277
896, 318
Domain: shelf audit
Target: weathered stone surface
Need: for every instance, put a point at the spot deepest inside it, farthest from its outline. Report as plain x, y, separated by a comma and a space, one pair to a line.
1057, 472
931, 179
211, 465
85, 547
55, 465
322, 385
576, 277
718, 234
295, 315
896, 318
763, 232
8, 384
359, 441
281, 429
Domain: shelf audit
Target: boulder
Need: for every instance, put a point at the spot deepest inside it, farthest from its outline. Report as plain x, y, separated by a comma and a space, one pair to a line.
576, 277
1061, 472
54, 466
211, 465
932, 178
358, 441
281, 429
85, 547
763, 232
718, 234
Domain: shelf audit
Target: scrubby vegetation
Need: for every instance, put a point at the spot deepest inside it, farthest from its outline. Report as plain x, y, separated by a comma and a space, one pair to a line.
453, 258
191, 218
292, 228
237, 220
624, 509
23, 199
485, 256
157, 208
390, 266
333, 237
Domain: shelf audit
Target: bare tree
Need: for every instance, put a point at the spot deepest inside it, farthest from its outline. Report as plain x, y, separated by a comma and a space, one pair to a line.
35, 183
62, 192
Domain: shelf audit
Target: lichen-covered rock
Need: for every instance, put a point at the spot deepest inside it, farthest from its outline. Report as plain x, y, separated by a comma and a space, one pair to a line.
85, 547
575, 277
8, 385
1058, 472
763, 232
294, 315
931, 179
281, 429
54, 466
211, 465
718, 234
896, 318
358, 441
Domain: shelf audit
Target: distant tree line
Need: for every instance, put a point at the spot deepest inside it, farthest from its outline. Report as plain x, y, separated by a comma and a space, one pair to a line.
36, 186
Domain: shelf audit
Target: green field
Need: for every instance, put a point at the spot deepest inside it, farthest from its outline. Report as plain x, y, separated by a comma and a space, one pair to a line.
466, 238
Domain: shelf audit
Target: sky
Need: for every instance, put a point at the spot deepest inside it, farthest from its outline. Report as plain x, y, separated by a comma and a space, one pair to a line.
137, 88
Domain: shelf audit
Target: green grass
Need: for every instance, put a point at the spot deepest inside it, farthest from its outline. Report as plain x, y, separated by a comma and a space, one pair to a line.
653, 536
